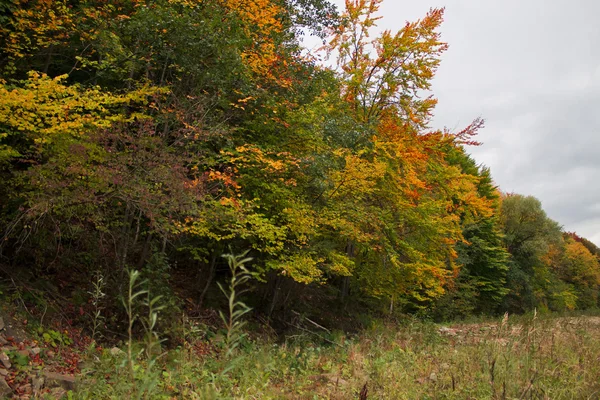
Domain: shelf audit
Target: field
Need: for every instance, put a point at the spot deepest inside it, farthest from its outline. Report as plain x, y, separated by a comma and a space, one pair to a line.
528, 357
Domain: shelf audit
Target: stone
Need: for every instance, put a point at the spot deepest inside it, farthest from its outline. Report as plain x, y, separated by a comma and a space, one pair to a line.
115, 351
448, 331
27, 388
3, 341
54, 379
35, 351
433, 377
58, 393
5, 360
38, 383
335, 379
3, 372
5, 390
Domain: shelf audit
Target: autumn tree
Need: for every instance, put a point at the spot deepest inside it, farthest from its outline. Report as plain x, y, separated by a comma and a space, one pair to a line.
480, 285
396, 200
580, 268
528, 235
156, 135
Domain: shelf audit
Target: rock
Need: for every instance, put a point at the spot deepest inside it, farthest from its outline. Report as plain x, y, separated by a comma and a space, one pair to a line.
38, 383
3, 341
2, 326
336, 380
3, 372
5, 360
448, 331
35, 351
5, 390
27, 388
57, 393
115, 351
54, 379
433, 377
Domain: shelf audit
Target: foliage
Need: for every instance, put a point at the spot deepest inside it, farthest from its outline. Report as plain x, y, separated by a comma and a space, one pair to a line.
136, 290
138, 140
150, 136
97, 295
529, 235
236, 310
518, 356
480, 286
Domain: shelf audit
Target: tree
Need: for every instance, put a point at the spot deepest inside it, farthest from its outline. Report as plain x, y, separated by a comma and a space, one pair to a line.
390, 70
396, 199
580, 268
528, 234
480, 283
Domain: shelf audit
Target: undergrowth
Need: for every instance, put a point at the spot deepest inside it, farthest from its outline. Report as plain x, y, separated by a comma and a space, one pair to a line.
512, 358
531, 356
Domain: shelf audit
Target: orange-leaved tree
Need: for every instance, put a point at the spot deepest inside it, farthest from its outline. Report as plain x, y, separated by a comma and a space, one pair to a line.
408, 210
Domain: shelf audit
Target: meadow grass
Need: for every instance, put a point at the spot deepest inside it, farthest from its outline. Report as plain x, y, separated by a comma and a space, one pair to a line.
527, 357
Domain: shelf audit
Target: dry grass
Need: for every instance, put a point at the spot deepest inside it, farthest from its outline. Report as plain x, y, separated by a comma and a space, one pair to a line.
512, 358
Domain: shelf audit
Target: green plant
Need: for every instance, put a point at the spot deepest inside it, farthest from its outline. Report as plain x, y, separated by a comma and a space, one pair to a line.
152, 340
137, 289
134, 291
236, 309
19, 359
97, 295
54, 338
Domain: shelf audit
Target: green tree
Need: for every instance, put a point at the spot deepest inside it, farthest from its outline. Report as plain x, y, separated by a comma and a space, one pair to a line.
480, 284
528, 234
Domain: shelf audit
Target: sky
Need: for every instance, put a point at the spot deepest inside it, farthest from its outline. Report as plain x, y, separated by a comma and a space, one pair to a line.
531, 69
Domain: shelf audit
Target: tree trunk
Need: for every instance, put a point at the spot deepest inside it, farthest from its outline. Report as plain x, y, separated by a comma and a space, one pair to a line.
145, 250
345, 286
125, 237
276, 291
211, 275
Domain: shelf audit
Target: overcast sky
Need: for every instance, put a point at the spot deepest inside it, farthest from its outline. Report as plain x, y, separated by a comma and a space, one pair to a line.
531, 69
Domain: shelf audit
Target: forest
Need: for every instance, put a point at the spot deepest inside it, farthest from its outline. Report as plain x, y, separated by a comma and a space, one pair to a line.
190, 160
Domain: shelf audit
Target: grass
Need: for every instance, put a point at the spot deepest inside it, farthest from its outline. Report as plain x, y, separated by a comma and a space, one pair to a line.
528, 357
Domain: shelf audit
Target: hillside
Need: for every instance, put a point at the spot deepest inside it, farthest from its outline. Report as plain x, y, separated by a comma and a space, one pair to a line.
186, 185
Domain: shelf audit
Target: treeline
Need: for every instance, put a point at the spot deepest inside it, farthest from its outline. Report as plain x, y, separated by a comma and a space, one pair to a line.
160, 135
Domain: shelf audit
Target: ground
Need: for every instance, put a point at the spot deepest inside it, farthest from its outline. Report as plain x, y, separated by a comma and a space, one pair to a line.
511, 357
